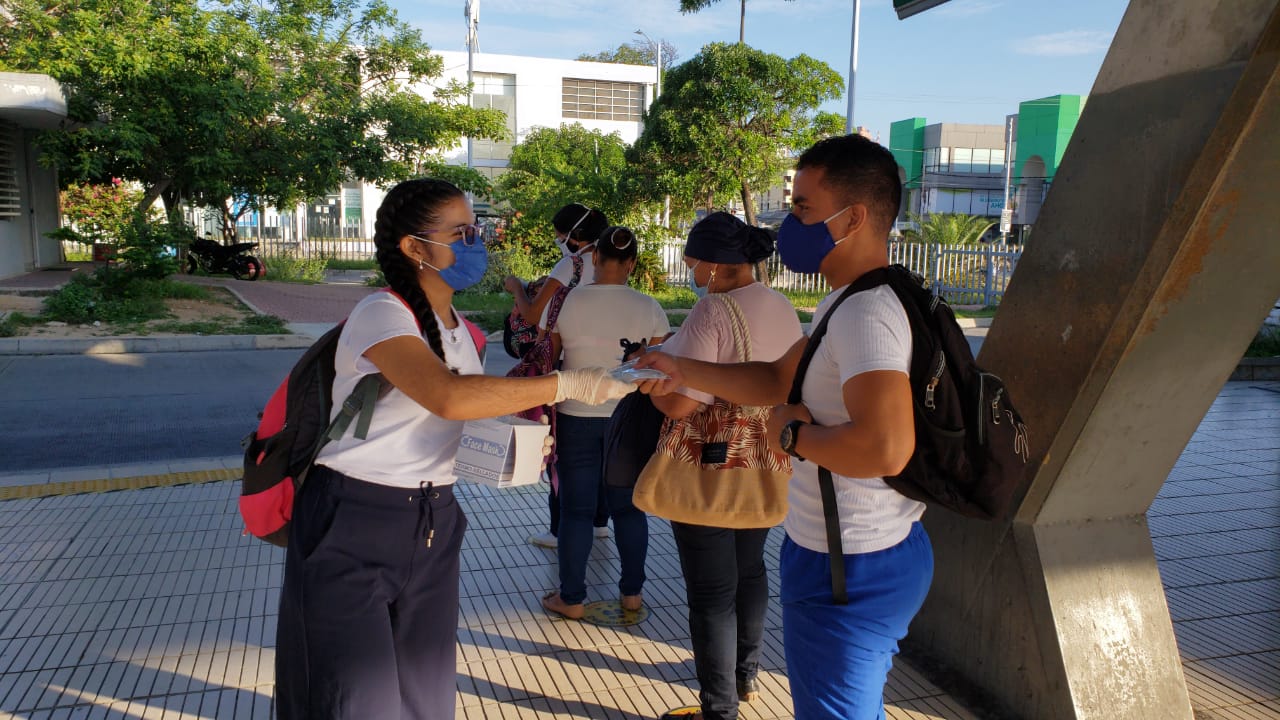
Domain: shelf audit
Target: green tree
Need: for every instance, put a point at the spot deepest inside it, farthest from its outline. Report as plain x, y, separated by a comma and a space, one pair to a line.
555, 166
238, 104
727, 122
948, 228
693, 6
636, 52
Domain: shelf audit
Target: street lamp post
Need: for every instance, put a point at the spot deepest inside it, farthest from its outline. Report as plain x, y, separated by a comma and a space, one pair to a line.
657, 90
849, 127
657, 62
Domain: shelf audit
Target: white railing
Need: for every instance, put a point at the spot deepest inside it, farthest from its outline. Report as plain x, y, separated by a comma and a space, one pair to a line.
963, 274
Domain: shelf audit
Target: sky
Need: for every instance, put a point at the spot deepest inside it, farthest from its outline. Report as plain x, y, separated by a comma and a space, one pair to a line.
966, 61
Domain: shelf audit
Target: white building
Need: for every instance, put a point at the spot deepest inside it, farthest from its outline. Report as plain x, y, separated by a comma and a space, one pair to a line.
29, 104
533, 92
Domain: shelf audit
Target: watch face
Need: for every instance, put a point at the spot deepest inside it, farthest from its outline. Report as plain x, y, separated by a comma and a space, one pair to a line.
788, 438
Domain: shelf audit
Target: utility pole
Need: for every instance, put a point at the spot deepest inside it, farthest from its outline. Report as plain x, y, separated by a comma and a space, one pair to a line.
1006, 215
657, 91
853, 66
472, 13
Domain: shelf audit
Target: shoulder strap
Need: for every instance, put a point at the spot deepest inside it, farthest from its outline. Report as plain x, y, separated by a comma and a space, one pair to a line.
826, 485
557, 303
738, 325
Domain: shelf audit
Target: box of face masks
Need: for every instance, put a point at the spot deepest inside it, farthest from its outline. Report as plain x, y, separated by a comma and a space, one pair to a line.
501, 452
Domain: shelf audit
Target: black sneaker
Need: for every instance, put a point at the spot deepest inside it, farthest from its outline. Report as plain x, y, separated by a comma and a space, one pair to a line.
748, 690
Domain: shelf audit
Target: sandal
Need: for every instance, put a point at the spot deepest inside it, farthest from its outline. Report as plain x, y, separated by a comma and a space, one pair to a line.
748, 691
632, 603
552, 603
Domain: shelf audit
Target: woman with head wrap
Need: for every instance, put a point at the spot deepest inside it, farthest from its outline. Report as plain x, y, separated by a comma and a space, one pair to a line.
724, 570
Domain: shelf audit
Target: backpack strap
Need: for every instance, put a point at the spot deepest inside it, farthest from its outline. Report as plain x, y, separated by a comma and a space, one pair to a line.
826, 484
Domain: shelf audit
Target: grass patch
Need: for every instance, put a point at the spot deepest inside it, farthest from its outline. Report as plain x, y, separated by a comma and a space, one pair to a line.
982, 312
676, 319
804, 315
291, 268
674, 298
251, 325
488, 320
335, 264
13, 324
486, 302
805, 298
1265, 344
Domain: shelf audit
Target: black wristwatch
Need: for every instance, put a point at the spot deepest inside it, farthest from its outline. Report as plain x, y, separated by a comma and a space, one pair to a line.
790, 434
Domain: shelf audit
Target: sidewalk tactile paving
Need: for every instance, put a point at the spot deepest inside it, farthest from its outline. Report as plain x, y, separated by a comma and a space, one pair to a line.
149, 603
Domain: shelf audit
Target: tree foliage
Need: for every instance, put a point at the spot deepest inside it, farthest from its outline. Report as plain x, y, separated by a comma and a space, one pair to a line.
727, 122
948, 228
636, 52
693, 6
552, 167
243, 103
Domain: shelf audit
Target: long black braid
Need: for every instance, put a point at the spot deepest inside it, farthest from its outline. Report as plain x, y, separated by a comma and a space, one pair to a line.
408, 209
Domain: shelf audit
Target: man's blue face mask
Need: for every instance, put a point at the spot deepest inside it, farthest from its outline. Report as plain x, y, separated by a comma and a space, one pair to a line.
803, 247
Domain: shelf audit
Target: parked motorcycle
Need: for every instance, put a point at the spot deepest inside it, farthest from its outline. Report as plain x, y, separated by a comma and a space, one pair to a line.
215, 258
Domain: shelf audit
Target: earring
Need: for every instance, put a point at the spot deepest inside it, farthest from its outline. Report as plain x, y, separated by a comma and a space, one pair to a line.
421, 263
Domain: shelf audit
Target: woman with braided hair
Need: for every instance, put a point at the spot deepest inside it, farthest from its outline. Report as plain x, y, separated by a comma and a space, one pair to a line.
369, 609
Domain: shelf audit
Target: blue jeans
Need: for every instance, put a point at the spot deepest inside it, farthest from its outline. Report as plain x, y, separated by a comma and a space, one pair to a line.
580, 457
838, 656
728, 592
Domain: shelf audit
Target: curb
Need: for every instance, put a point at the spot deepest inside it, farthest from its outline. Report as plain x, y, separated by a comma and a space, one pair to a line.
122, 476
100, 485
173, 343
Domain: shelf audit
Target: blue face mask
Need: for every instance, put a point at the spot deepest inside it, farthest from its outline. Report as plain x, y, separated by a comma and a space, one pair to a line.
699, 290
469, 262
803, 247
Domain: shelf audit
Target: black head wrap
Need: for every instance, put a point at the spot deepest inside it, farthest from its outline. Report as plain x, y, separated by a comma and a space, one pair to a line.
724, 239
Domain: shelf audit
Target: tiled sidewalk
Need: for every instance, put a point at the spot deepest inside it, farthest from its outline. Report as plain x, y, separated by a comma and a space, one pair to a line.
150, 604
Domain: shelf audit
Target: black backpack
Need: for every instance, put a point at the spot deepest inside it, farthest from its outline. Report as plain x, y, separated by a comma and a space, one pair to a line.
971, 444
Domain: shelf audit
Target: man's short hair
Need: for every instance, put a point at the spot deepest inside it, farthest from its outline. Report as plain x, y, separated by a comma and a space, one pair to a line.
858, 170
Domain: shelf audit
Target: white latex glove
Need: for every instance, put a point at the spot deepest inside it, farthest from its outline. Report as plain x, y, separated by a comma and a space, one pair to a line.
591, 386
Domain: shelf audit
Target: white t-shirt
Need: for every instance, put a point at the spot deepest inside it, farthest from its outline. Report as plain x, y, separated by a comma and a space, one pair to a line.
707, 334
592, 321
563, 270
868, 332
407, 445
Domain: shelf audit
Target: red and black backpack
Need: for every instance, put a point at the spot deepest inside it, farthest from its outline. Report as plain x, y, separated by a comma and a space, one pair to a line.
295, 425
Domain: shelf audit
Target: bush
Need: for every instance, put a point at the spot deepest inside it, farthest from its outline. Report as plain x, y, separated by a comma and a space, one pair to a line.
150, 248
118, 295
74, 303
1265, 344
9, 324
650, 275
510, 259
293, 268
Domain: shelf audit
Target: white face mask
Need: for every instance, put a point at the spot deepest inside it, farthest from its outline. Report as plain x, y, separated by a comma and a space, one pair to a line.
564, 247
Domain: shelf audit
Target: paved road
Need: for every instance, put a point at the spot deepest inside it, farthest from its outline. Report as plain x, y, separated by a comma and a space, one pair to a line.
74, 410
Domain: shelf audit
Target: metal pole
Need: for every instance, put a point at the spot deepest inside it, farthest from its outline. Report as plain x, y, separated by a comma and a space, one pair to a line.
853, 67
657, 86
472, 12
1008, 146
